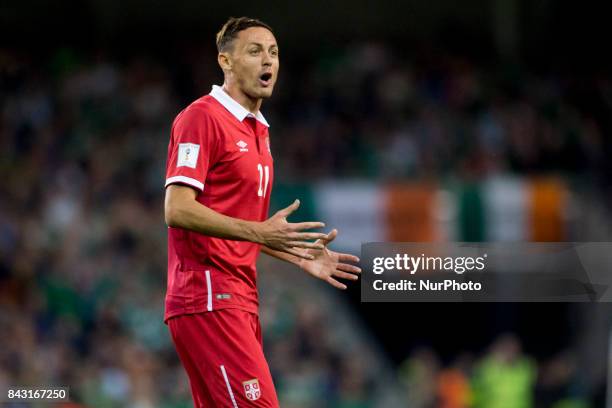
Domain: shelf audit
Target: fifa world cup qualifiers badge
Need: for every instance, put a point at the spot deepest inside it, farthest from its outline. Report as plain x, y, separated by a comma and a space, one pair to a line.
188, 155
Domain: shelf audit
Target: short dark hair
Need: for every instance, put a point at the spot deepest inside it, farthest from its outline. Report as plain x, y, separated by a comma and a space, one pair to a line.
232, 27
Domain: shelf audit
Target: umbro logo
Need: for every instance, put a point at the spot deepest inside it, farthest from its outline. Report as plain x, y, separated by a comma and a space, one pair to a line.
243, 146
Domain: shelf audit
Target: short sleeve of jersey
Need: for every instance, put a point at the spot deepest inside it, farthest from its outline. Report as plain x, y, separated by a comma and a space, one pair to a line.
191, 149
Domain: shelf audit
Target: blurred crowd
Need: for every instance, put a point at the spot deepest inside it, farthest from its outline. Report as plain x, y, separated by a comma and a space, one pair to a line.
83, 143
502, 377
366, 112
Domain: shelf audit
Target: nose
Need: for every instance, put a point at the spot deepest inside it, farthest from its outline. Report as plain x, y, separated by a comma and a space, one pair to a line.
267, 59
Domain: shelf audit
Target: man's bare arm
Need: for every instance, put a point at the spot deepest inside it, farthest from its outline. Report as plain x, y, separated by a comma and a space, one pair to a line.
182, 210
283, 256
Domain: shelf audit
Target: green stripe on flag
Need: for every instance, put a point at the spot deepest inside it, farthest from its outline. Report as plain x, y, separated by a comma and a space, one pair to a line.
284, 194
471, 213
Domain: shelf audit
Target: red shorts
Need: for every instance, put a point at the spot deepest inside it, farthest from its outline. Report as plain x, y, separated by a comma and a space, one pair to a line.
223, 355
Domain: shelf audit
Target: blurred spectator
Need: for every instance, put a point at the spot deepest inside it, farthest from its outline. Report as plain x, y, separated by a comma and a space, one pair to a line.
419, 376
505, 377
454, 389
559, 383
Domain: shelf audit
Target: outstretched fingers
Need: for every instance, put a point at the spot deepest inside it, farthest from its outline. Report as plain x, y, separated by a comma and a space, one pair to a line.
335, 283
306, 235
347, 257
285, 212
300, 226
348, 268
305, 244
298, 253
330, 236
345, 275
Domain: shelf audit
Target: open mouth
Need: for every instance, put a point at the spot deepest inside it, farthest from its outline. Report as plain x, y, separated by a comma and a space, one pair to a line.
265, 78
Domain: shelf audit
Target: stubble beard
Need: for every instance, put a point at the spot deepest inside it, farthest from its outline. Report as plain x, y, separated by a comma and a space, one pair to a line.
257, 93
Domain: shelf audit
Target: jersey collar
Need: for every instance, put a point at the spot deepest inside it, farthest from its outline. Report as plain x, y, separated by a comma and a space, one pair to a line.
239, 111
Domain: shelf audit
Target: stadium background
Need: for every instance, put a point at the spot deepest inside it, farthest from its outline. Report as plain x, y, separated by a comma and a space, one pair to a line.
487, 121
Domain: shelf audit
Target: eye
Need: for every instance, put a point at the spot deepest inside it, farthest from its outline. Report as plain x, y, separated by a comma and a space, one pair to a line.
254, 51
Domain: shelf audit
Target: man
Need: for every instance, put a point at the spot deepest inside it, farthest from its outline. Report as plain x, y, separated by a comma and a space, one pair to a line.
218, 182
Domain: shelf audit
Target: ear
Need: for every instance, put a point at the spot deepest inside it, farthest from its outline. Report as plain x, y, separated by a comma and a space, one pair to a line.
224, 61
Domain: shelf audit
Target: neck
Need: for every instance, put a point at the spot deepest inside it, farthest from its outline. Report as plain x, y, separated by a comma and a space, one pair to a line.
249, 103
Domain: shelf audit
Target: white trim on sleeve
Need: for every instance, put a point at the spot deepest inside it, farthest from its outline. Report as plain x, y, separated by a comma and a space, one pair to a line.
187, 180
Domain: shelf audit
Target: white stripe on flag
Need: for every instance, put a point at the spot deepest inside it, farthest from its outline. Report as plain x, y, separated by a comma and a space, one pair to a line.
357, 209
506, 201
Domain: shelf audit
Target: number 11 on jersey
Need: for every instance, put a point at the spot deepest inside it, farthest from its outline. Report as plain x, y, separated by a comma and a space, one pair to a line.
264, 172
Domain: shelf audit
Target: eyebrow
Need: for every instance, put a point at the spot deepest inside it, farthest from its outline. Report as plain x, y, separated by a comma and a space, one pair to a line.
261, 45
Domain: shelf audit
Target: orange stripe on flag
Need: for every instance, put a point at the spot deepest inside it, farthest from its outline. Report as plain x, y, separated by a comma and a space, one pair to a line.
547, 204
410, 212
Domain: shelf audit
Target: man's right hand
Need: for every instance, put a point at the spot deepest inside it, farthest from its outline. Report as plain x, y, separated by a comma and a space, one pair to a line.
277, 233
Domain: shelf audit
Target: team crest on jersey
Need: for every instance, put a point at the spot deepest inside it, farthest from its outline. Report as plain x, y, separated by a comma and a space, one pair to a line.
251, 389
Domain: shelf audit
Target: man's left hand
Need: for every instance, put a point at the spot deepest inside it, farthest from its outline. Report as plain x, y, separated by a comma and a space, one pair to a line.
328, 265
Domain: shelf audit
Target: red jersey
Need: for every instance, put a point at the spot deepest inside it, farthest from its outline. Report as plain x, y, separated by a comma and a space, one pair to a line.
223, 151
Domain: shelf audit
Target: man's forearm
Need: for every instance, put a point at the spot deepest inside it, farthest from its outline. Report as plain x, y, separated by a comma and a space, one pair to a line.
182, 210
283, 256
197, 217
